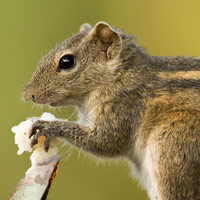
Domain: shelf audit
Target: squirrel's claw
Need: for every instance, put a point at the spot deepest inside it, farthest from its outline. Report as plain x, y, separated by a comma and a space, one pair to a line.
47, 143
34, 142
37, 131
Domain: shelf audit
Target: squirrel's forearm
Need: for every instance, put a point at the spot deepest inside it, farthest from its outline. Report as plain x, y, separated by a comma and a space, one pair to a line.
100, 142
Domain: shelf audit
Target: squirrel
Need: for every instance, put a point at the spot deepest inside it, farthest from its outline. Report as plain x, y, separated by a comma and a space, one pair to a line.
141, 107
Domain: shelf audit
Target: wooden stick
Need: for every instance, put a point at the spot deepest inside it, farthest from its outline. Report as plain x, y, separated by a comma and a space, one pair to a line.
37, 181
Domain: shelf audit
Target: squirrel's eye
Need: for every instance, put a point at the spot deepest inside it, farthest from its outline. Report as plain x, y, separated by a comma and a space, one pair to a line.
66, 62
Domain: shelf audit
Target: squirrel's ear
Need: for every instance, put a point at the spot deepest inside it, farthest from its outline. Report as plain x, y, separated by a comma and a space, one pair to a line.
85, 27
110, 39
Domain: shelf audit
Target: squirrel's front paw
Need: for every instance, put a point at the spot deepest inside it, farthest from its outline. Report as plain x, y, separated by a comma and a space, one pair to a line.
40, 128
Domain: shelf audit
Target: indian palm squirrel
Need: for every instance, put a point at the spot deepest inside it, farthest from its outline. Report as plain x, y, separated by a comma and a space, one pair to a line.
138, 106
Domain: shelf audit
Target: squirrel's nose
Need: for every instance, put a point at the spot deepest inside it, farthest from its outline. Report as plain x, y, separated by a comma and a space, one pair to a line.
33, 98
28, 95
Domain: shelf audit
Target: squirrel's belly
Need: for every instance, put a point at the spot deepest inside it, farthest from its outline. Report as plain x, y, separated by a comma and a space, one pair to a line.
146, 174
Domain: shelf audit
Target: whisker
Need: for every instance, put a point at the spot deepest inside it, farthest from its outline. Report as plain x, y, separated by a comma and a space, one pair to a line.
79, 153
84, 117
72, 115
65, 152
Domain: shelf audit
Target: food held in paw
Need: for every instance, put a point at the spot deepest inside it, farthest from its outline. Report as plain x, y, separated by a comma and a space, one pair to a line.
22, 133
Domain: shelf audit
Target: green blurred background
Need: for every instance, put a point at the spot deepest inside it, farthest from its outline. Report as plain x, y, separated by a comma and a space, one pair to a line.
28, 29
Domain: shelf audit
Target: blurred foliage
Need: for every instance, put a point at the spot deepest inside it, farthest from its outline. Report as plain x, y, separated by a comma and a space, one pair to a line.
28, 29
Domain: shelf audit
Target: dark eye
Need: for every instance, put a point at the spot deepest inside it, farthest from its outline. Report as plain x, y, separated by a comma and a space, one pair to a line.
66, 62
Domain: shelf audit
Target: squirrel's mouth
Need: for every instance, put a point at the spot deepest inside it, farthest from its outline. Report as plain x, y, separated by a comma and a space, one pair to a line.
53, 104
56, 104
61, 102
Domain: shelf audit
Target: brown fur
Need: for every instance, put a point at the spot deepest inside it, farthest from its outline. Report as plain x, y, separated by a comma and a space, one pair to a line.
138, 106
180, 75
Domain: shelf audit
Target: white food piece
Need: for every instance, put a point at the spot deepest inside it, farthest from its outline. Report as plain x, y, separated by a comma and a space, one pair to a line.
22, 132
21, 135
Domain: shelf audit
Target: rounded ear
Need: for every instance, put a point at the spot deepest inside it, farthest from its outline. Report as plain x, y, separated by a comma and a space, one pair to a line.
85, 27
110, 39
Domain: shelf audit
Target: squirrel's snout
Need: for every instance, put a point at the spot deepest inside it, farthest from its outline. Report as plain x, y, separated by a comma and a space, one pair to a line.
28, 95
32, 94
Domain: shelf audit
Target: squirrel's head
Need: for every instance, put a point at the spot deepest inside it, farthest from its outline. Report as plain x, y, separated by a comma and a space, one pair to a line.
77, 66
